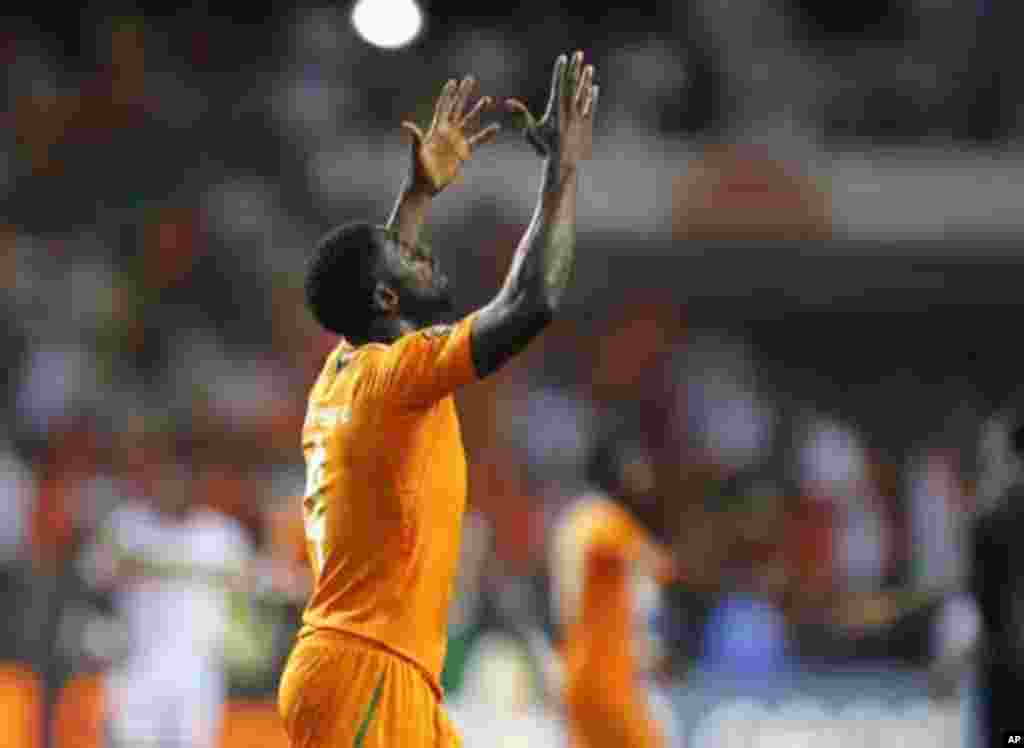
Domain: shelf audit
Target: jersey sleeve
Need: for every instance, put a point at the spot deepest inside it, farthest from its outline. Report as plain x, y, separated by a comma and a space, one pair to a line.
616, 536
427, 365
622, 538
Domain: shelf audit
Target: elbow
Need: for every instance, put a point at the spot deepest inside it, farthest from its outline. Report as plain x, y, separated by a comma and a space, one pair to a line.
535, 310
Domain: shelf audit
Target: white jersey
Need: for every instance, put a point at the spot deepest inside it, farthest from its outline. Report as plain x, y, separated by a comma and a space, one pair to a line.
184, 610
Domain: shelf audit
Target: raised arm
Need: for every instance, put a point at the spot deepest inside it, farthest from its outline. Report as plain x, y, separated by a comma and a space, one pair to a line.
540, 268
438, 155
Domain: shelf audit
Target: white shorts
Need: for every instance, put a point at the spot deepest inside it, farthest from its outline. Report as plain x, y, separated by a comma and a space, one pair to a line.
166, 703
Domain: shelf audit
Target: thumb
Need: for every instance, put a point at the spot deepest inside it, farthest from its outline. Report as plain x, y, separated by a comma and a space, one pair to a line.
414, 132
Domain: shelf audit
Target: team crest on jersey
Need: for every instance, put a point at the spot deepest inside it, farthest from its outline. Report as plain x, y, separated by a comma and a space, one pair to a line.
437, 331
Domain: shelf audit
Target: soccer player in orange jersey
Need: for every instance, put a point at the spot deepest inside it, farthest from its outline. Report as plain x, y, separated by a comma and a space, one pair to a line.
386, 480
604, 559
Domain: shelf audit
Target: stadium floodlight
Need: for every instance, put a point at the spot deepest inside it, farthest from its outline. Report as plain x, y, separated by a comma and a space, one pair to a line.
389, 24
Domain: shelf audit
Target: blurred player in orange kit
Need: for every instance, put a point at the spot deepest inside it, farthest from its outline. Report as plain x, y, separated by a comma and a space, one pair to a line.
606, 564
386, 469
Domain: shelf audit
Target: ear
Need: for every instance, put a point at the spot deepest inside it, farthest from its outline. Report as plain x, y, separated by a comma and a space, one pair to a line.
385, 299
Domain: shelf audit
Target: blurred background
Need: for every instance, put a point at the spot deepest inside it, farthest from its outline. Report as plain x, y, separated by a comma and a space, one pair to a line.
798, 268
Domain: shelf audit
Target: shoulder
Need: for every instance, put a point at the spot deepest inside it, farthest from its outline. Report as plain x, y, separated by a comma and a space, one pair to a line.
604, 523
344, 354
405, 354
213, 521
222, 531
133, 525
131, 515
583, 514
431, 340
595, 506
368, 355
345, 362
422, 338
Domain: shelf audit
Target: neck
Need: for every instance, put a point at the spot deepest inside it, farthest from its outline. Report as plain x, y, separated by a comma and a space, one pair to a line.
389, 329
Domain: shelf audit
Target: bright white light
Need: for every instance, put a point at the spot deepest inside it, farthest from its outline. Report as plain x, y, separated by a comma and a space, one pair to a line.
389, 24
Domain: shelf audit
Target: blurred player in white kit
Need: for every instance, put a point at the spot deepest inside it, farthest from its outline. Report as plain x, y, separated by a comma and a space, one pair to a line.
170, 565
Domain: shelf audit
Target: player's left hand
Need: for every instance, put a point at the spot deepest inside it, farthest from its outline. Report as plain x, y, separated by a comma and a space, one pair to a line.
439, 154
565, 132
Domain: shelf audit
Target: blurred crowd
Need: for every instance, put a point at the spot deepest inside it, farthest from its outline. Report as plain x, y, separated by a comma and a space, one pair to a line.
163, 186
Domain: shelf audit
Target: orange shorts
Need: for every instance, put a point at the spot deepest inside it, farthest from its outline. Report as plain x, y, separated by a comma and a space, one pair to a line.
340, 691
600, 717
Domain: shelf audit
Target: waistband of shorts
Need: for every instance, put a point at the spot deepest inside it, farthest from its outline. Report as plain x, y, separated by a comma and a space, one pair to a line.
359, 640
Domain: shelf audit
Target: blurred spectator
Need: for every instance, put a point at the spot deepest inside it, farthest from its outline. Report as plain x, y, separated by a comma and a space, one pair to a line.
834, 467
809, 542
728, 423
938, 509
286, 546
649, 77
17, 490
863, 549
55, 380
553, 427
747, 634
17, 483
646, 325
741, 194
69, 465
171, 565
997, 577
226, 488
501, 703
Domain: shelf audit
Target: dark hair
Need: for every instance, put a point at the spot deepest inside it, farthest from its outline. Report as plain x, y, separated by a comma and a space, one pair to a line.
340, 280
615, 444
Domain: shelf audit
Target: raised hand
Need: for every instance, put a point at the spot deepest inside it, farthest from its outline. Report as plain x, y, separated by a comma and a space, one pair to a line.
565, 132
439, 154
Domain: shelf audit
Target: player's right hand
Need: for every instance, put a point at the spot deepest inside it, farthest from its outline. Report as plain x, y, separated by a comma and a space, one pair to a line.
439, 153
565, 131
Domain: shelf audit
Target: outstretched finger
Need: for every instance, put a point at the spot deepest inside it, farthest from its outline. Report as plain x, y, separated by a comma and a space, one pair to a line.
583, 88
484, 136
557, 76
591, 103
575, 73
517, 107
462, 96
484, 102
444, 103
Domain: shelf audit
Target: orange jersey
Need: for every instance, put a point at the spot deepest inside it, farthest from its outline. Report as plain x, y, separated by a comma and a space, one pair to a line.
603, 558
386, 491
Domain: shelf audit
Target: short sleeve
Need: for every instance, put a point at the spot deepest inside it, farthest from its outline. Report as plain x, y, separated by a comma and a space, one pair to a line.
427, 365
622, 537
614, 536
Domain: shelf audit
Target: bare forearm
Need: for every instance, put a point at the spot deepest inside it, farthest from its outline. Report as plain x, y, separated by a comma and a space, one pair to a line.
543, 261
410, 212
540, 269
537, 278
